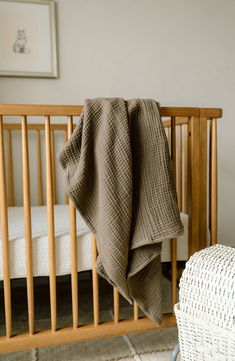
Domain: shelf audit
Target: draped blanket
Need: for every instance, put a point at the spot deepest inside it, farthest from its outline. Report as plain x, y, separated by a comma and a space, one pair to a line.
119, 175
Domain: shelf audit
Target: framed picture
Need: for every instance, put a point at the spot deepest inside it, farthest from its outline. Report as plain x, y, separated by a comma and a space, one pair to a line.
28, 38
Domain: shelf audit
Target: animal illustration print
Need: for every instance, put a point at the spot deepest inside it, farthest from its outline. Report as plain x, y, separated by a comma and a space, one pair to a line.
19, 45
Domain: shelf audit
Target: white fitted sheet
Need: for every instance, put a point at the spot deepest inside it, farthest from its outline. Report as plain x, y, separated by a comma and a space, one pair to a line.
62, 242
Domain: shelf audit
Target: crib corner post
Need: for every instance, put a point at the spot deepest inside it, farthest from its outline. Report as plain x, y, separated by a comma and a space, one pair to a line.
194, 183
203, 202
213, 182
197, 165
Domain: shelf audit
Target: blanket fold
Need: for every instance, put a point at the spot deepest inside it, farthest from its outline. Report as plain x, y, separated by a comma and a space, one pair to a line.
119, 175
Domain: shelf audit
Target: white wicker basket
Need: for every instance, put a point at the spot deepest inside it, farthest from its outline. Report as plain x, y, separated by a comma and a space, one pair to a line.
202, 341
206, 313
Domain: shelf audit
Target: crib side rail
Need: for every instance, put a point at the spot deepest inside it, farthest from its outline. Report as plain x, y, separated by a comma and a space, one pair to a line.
186, 131
191, 135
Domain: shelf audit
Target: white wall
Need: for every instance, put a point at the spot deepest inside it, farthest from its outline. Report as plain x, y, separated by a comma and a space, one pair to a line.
179, 52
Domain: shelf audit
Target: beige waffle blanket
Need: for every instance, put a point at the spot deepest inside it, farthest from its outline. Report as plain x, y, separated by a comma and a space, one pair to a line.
119, 175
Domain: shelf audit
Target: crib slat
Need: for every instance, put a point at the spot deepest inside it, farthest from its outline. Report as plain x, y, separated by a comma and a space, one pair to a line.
95, 281
39, 161
116, 304
5, 235
167, 130
10, 171
65, 141
174, 271
50, 217
179, 167
53, 166
73, 240
194, 184
27, 224
174, 240
65, 136
186, 159
173, 145
74, 277
214, 182
136, 312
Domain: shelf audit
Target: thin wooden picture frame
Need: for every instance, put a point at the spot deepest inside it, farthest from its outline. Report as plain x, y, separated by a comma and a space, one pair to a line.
28, 41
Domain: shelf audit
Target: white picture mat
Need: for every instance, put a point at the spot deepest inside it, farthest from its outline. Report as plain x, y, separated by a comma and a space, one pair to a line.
35, 20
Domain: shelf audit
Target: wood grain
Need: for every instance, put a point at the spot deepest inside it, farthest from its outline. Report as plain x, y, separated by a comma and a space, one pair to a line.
65, 110
95, 281
5, 235
39, 168
50, 218
214, 182
27, 224
10, 171
88, 332
73, 246
174, 240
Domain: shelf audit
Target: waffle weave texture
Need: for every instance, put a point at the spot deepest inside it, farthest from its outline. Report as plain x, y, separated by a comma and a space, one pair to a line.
118, 173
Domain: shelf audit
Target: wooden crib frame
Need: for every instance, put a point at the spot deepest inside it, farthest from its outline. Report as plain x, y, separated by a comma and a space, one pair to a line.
192, 136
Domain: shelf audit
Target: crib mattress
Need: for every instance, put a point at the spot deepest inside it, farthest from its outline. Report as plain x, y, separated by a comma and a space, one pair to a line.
62, 242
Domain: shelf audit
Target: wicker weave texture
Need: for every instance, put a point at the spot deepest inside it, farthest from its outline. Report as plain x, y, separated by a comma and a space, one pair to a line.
206, 312
207, 286
202, 341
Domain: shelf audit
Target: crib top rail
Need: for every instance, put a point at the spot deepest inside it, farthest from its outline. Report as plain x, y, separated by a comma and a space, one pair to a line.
73, 110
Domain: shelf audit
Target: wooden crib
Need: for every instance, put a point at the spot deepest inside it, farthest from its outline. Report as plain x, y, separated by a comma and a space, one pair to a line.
192, 137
